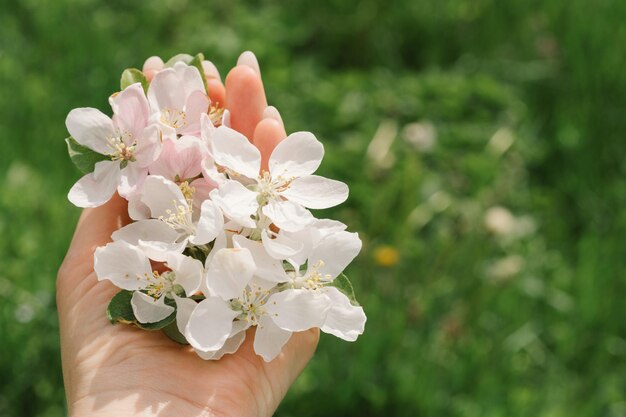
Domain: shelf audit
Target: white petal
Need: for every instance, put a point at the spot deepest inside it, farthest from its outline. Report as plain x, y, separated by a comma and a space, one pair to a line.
266, 267
148, 309
237, 202
316, 192
234, 151
148, 146
165, 91
232, 344
161, 195
335, 251
197, 103
280, 247
182, 158
184, 308
159, 251
298, 310
188, 272
207, 130
123, 264
287, 215
210, 324
130, 108
190, 77
91, 128
299, 154
95, 189
310, 236
136, 209
230, 271
269, 339
154, 237
343, 320
146, 230
209, 225
131, 179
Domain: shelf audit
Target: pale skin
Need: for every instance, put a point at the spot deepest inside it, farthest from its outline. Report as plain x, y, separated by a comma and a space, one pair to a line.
119, 370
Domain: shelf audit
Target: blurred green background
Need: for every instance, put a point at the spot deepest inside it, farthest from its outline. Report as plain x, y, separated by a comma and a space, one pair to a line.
484, 145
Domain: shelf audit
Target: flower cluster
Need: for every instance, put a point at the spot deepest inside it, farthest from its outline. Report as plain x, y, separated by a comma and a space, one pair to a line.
217, 244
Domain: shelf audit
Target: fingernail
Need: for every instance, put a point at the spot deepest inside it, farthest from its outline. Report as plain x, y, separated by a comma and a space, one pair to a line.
271, 112
153, 63
249, 59
210, 70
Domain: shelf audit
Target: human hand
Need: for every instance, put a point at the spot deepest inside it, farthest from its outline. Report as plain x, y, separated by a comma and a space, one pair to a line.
122, 371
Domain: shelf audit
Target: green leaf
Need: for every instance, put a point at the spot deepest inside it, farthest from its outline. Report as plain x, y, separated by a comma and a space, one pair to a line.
131, 76
121, 311
343, 284
171, 331
197, 62
84, 158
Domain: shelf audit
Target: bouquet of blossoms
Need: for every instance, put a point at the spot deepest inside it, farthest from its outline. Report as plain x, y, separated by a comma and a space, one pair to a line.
218, 243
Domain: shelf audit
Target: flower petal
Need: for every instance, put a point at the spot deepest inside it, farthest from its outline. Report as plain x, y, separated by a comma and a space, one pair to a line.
161, 195
229, 271
266, 267
210, 324
343, 320
130, 109
269, 339
148, 146
95, 189
280, 247
237, 336
184, 308
197, 103
287, 215
165, 91
123, 264
209, 225
148, 309
237, 202
154, 237
335, 251
299, 154
298, 309
316, 192
188, 272
234, 151
180, 158
91, 128
131, 179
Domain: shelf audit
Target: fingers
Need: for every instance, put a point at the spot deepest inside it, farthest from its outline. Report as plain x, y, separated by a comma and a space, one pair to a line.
268, 133
217, 92
245, 96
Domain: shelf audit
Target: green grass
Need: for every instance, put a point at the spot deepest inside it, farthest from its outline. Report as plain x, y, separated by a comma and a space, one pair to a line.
519, 104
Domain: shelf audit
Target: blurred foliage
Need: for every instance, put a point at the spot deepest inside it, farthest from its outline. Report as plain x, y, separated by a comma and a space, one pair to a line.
483, 143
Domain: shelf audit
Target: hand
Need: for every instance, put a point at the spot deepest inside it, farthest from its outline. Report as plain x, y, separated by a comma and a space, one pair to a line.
118, 370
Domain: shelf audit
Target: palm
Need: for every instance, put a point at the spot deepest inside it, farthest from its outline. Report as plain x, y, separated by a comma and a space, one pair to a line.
109, 368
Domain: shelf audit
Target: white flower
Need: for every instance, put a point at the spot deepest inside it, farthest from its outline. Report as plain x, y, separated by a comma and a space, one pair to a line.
177, 99
237, 299
175, 222
126, 139
129, 268
327, 259
284, 191
275, 314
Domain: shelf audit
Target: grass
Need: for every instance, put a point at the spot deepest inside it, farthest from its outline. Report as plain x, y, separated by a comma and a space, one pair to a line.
435, 113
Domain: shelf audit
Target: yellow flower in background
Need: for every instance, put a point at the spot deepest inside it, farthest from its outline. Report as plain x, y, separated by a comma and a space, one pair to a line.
386, 256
